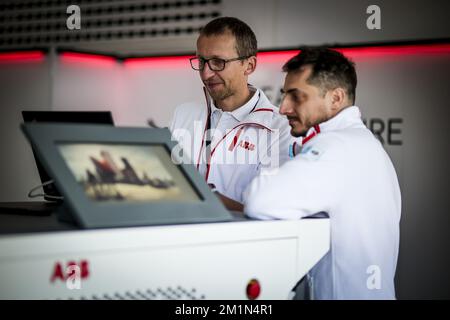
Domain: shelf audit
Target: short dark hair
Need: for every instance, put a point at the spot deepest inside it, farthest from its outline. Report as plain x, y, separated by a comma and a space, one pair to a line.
330, 69
246, 44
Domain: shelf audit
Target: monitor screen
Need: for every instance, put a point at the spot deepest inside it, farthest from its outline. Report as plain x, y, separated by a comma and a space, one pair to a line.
126, 173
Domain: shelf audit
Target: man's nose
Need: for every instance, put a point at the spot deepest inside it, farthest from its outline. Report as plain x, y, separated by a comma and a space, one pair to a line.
207, 73
285, 107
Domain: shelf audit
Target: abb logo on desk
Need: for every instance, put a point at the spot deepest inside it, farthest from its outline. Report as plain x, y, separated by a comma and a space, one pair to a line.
72, 271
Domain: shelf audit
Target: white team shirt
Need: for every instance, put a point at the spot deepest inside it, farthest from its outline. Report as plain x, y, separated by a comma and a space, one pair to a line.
345, 172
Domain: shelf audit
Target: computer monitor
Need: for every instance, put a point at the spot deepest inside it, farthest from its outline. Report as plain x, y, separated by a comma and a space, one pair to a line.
92, 117
122, 177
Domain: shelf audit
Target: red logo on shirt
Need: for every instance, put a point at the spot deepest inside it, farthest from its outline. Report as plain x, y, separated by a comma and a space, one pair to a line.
247, 145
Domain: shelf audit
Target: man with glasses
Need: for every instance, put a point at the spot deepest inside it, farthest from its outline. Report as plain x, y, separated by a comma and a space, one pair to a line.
237, 131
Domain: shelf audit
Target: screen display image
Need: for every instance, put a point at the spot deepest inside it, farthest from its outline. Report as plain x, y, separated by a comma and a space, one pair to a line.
126, 173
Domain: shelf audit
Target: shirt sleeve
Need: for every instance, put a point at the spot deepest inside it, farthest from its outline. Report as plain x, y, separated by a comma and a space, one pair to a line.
304, 186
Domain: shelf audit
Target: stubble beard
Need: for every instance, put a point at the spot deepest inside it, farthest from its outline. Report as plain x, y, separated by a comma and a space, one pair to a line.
222, 95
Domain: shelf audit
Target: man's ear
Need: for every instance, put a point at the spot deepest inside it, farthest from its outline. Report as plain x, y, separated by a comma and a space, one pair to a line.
338, 98
251, 65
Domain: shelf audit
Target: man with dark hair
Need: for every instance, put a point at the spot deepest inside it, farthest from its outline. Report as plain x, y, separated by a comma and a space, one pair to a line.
342, 170
330, 69
237, 131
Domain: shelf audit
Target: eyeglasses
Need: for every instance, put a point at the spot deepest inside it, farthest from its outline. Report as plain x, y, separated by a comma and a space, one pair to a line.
215, 64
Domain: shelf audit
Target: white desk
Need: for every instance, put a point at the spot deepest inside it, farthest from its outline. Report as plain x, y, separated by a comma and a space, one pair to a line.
210, 261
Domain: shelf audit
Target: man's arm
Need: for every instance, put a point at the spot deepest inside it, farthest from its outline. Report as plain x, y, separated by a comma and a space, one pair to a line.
300, 188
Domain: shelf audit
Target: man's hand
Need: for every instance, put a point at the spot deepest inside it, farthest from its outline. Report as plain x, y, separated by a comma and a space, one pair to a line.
230, 204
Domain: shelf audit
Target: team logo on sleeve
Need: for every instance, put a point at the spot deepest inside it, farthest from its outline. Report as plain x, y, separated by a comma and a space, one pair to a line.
311, 153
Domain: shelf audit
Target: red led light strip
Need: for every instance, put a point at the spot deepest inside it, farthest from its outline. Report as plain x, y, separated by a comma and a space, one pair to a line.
87, 58
265, 56
21, 56
284, 55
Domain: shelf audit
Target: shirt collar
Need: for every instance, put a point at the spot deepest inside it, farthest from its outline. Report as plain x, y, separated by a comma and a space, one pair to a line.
348, 117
